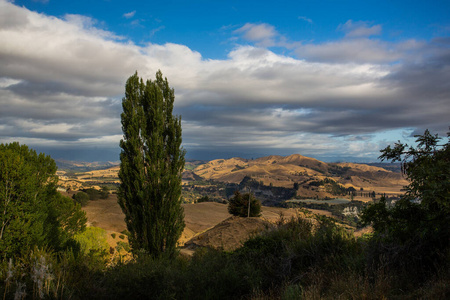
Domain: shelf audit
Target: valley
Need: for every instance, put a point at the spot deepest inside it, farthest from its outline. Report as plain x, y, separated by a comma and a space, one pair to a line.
283, 185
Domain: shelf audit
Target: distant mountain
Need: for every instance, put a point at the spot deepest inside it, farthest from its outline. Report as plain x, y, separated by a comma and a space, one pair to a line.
394, 167
80, 166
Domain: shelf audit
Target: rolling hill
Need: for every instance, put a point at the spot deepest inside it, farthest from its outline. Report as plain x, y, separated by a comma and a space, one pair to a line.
272, 178
310, 176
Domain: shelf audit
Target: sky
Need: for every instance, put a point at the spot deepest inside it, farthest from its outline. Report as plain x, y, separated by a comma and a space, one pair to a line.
333, 80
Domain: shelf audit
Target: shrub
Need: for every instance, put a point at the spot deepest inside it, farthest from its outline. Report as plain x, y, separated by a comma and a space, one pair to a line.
245, 205
93, 243
82, 198
203, 199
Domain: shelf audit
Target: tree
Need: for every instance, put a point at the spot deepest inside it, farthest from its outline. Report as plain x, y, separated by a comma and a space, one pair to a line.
428, 168
238, 205
81, 197
152, 161
418, 222
32, 212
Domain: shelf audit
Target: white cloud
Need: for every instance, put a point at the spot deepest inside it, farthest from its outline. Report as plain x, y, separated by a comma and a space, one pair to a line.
306, 19
262, 34
66, 88
359, 29
129, 14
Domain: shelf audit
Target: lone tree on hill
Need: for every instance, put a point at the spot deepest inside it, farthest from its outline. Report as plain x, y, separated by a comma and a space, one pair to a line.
239, 205
152, 161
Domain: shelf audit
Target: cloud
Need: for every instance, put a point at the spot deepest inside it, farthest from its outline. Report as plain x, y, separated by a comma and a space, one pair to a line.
65, 91
89, 25
359, 29
154, 31
262, 34
358, 46
350, 51
306, 19
129, 15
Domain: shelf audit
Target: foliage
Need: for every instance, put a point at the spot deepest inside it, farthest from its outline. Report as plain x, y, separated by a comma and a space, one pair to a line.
123, 245
331, 186
244, 205
95, 194
34, 213
45, 274
337, 210
302, 258
146, 277
65, 219
293, 252
203, 199
416, 228
81, 197
152, 161
93, 242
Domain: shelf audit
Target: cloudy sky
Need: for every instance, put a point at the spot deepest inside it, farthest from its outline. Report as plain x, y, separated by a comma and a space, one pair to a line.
335, 80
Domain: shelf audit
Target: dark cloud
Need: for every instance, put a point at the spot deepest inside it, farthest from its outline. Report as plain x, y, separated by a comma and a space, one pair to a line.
334, 100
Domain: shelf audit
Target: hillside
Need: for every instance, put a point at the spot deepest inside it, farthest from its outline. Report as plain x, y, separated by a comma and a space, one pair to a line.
272, 179
307, 174
202, 222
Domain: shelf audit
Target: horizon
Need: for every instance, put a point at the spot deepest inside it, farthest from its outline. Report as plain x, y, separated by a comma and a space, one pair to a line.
329, 80
62, 160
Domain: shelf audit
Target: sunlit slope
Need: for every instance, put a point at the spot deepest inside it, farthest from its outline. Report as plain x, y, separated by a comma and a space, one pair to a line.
285, 171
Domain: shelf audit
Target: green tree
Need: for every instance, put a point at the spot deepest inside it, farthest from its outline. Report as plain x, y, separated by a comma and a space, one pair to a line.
32, 212
104, 192
152, 161
238, 205
427, 166
81, 197
419, 222
203, 199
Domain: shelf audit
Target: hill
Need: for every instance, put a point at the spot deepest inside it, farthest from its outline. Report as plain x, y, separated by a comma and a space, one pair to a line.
273, 179
201, 219
308, 177
79, 166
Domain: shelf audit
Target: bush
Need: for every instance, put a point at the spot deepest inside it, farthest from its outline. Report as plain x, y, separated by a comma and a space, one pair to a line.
144, 278
239, 205
82, 198
203, 199
93, 243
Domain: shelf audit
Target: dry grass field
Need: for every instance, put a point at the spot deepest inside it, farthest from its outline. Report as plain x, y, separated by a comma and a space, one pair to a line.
279, 171
199, 218
209, 223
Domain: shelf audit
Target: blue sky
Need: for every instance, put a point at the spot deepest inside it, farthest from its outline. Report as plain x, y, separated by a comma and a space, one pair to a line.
335, 80
207, 26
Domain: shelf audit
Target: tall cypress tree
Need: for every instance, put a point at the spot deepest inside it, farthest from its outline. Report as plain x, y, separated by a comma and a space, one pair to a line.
152, 161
